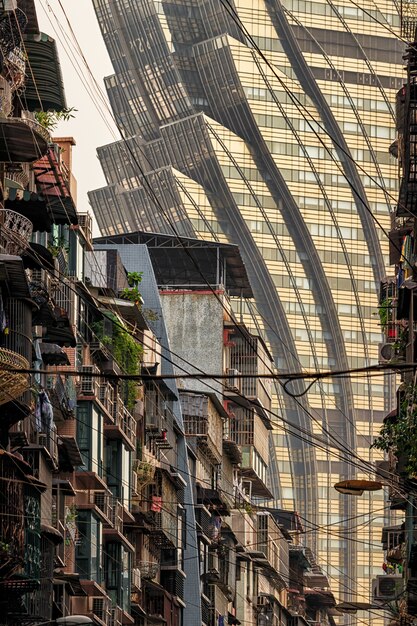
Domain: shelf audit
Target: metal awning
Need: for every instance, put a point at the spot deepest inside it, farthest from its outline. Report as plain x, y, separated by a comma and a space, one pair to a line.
72, 450
44, 81
31, 205
182, 262
52, 533
22, 140
52, 354
52, 185
72, 581
37, 257
12, 272
128, 310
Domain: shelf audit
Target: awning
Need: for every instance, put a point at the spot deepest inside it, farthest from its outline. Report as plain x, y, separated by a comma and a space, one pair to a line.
37, 257
64, 486
53, 186
71, 449
44, 81
73, 583
232, 619
127, 309
52, 354
22, 140
179, 262
12, 272
52, 533
30, 205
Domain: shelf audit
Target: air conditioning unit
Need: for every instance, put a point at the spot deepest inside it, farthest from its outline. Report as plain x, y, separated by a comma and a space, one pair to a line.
213, 563
387, 352
233, 382
88, 380
100, 607
387, 588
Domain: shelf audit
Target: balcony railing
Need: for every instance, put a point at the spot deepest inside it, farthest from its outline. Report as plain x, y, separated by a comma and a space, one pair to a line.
116, 514
124, 419
106, 396
201, 420
15, 232
148, 569
12, 383
100, 607
49, 441
116, 616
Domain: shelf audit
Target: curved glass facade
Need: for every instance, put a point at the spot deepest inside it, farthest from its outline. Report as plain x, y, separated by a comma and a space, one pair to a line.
267, 124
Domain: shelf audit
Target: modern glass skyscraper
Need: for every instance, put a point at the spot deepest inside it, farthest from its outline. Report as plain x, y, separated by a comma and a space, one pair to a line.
267, 123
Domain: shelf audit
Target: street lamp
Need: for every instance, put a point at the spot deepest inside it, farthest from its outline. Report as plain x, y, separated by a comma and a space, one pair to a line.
352, 607
73, 620
68, 620
357, 487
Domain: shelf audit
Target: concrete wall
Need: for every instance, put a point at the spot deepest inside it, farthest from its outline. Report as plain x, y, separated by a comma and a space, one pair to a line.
194, 322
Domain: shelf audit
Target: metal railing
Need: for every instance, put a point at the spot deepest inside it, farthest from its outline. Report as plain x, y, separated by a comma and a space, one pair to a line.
148, 569
116, 616
106, 396
12, 384
49, 440
124, 419
15, 232
116, 514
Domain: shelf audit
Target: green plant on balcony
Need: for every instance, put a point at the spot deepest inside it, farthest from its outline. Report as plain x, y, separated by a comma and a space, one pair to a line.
51, 119
57, 245
128, 353
399, 434
144, 471
385, 311
132, 292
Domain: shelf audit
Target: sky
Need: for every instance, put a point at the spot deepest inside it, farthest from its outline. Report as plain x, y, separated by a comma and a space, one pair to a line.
88, 127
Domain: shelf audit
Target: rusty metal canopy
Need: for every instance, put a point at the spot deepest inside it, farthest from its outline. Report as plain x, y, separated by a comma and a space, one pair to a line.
186, 263
21, 140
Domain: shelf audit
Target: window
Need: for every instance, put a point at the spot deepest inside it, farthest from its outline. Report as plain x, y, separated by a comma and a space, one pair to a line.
88, 548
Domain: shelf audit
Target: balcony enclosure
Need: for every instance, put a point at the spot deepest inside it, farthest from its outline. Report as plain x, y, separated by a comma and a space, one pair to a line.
15, 348
248, 431
202, 420
248, 355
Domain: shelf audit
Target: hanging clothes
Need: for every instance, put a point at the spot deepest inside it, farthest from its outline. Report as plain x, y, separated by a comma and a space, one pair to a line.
44, 415
407, 255
3, 317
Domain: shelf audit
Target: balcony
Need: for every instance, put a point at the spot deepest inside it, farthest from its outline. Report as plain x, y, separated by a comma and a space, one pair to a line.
203, 421
99, 501
63, 396
205, 523
123, 426
15, 232
12, 384
247, 355
244, 527
144, 472
114, 531
106, 399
